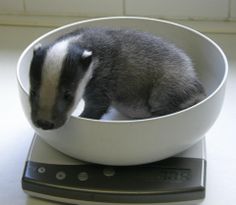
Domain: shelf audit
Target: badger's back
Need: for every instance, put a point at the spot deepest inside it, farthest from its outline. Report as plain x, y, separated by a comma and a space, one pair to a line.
144, 75
136, 54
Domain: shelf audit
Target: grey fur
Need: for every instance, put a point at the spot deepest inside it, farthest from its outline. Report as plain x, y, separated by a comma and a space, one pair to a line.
141, 75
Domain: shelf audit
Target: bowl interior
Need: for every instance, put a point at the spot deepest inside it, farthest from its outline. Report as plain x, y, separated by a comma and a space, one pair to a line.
205, 54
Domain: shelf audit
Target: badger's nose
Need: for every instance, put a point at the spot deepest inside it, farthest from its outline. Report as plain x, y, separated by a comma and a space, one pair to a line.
44, 124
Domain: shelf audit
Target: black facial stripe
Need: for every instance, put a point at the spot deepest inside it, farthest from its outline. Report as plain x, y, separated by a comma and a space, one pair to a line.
70, 73
35, 76
36, 67
70, 76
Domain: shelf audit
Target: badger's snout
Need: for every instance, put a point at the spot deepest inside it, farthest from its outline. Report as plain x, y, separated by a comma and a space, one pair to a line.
44, 124
48, 123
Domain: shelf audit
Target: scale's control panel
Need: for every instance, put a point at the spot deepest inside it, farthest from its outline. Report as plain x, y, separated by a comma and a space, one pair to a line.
173, 179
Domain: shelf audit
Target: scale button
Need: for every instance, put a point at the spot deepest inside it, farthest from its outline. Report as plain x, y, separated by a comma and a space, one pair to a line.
60, 175
109, 172
41, 170
83, 176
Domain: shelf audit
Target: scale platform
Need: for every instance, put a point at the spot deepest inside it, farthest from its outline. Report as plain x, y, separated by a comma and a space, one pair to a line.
49, 174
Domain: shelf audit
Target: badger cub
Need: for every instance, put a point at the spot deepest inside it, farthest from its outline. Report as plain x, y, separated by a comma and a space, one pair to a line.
140, 74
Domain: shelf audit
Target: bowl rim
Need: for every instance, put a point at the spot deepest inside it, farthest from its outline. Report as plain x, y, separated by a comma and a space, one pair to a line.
130, 18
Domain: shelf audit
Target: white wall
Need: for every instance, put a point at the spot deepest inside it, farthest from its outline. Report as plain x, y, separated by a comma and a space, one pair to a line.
170, 9
233, 9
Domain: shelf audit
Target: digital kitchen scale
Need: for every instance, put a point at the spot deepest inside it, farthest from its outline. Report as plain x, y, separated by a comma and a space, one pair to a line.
52, 175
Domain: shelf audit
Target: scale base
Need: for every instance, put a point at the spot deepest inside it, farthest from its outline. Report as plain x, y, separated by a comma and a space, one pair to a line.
52, 175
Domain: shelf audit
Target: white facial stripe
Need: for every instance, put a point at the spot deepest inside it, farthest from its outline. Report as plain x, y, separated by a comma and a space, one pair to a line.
50, 77
83, 83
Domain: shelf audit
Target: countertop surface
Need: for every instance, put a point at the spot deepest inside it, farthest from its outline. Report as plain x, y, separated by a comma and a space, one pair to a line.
16, 134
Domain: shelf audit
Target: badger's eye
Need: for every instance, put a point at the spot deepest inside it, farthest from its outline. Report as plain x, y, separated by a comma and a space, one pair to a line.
32, 93
68, 96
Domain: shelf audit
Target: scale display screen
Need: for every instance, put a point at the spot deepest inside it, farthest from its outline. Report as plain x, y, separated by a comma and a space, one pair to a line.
173, 175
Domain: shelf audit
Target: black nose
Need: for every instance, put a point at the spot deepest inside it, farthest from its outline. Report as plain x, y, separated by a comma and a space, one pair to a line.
46, 125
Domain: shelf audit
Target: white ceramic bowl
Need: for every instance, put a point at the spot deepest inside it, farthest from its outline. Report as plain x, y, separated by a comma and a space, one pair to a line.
130, 142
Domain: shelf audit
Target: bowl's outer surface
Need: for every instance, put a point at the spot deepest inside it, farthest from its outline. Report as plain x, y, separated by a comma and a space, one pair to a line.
138, 141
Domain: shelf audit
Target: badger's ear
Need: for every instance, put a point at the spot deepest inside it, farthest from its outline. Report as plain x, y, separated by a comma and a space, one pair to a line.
37, 47
86, 58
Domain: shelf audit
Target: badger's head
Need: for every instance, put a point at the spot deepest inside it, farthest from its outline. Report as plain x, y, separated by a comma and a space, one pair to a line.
58, 75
